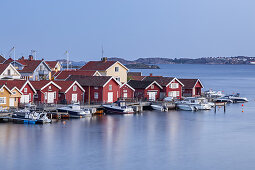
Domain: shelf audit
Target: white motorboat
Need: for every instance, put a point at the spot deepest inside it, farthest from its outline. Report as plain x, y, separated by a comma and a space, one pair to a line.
199, 103
214, 94
159, 107
37, 117
118, 107
187, 107
74, 110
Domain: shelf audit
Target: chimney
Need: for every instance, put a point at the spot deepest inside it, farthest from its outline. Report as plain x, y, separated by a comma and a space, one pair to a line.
22, 58
30, 57
104, 59
150, 74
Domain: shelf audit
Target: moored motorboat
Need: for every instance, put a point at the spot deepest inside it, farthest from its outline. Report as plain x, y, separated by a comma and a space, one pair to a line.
31, 117
118, 107
199, 103
187, 107
74, 110
159, 107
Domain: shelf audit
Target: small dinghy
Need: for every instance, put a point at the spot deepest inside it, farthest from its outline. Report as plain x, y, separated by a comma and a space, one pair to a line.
75, 111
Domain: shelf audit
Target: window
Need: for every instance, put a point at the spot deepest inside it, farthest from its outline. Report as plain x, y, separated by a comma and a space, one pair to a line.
125, 91
118, 79
110, 87
125, 95
36, 96
95, 87
116, 69
152, 86
45, 95
55, 95
25, 90
49, 87
174, 85
2, 100
177, 93
9, 72
96, 95
41, 67
14, 92
29, 96
74, 88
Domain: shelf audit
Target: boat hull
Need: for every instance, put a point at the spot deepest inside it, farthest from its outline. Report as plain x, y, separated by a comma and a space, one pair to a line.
110, 110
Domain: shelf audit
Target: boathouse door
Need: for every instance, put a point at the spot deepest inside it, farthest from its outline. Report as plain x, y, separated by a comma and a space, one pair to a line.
50, 97
12, 102
110, 97
152, 96
74, 97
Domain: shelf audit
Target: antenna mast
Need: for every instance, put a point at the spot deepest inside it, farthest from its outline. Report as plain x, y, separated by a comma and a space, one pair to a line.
67, 60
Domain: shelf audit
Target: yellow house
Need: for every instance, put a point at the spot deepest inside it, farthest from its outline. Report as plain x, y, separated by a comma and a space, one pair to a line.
15, 97
5, 95
108, 68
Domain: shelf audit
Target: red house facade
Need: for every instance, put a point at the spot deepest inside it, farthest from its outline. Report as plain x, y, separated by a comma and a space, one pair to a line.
192, 87
47, 91
98, 89
172, 87
27, 89
71, 92
127, 92
146, 90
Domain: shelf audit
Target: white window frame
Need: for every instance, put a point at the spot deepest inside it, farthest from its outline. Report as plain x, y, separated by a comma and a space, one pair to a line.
110, 87
117, 69
152, 86
74, 88
45, 95
2, 100
95, 95
30, 96
25, 90
175, 85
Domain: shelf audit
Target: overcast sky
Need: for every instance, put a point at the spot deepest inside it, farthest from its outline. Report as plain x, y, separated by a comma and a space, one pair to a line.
128, 28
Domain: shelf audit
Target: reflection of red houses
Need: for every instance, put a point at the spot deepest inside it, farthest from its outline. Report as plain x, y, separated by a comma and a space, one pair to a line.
71, 92
172, 87
98, 89
47, 91
127, 92
192, 87
148, 90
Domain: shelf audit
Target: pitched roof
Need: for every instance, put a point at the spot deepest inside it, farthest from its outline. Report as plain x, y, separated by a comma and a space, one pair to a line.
163, 81
90, 80
51, 64
65, 85
136, 84
2, 59
190, 83
98, 65
39, 85
3, 67
140, 78
13, 83
29, 65
134, 74
66, 73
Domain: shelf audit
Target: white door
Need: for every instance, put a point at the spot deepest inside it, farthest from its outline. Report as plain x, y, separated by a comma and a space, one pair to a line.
12, 102
152, 96
24, 99
125, 95
74, 98
50, 97
110, 97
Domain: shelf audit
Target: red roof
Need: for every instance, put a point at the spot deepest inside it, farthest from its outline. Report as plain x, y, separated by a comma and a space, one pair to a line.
2, 59
66, 73
90, 80
8, 61
3, 67
52, 64
13, 83
29, 65
97, 65
189, 83
64, 85
38, 85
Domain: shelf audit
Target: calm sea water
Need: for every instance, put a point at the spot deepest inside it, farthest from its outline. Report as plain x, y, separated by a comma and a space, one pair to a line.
152, 140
